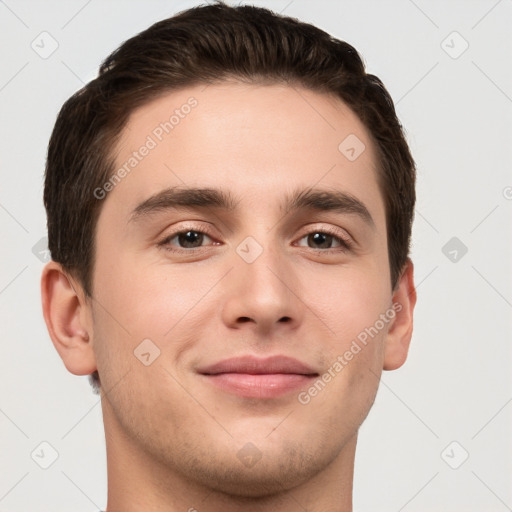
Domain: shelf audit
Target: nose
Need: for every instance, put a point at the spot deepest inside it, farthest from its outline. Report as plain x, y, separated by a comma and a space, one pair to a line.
263, 294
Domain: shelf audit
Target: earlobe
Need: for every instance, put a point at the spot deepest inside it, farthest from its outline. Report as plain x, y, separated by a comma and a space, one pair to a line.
67, 318
400, 333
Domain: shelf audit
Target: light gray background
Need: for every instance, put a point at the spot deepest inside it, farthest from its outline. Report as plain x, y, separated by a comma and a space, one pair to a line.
456, 384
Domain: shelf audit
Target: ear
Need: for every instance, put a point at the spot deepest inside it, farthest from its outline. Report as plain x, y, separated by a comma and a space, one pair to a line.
399, 333
68, 318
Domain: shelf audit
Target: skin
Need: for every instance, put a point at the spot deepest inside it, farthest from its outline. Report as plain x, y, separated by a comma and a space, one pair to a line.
172, 439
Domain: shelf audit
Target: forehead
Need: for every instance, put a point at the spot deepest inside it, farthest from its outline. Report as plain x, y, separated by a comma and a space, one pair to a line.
257, 141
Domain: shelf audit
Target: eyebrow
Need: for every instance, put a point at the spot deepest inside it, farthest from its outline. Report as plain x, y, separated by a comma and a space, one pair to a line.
218, 199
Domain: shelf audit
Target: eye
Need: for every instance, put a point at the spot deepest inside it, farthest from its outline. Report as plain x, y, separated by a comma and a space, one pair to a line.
189, 239
323, 238
186, 239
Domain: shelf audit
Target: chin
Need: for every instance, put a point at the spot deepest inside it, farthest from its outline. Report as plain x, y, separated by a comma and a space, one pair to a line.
265, 477
249, 484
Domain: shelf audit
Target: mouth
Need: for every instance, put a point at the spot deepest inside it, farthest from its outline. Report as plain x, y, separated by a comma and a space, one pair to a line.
253, 377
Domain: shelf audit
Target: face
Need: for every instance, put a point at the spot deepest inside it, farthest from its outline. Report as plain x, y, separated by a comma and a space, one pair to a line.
183, 281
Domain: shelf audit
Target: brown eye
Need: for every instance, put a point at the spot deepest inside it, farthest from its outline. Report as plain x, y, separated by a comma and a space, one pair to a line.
185, 239
189, 239
323, 240
320, 240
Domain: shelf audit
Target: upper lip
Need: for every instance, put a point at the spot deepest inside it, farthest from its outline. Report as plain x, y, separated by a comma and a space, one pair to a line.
255, 365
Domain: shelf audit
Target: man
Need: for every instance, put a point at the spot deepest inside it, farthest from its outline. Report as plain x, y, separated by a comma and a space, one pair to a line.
229, 214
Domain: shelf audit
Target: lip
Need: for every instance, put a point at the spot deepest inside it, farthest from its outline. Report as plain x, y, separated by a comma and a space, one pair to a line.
259, 366
253, 377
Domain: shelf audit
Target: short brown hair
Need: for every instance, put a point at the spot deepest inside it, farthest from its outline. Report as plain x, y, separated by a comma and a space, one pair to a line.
209, 44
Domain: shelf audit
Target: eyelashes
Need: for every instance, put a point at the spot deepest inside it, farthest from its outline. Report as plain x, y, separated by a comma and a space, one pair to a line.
166, 242
193, 234
345, 243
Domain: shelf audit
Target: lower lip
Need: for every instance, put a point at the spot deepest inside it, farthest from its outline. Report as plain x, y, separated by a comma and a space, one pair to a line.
268, 385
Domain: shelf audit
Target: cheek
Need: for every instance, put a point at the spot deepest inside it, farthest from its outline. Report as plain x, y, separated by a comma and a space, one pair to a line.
145, 297
347, 299
353, 349
140, 311
350, 304
133, 304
